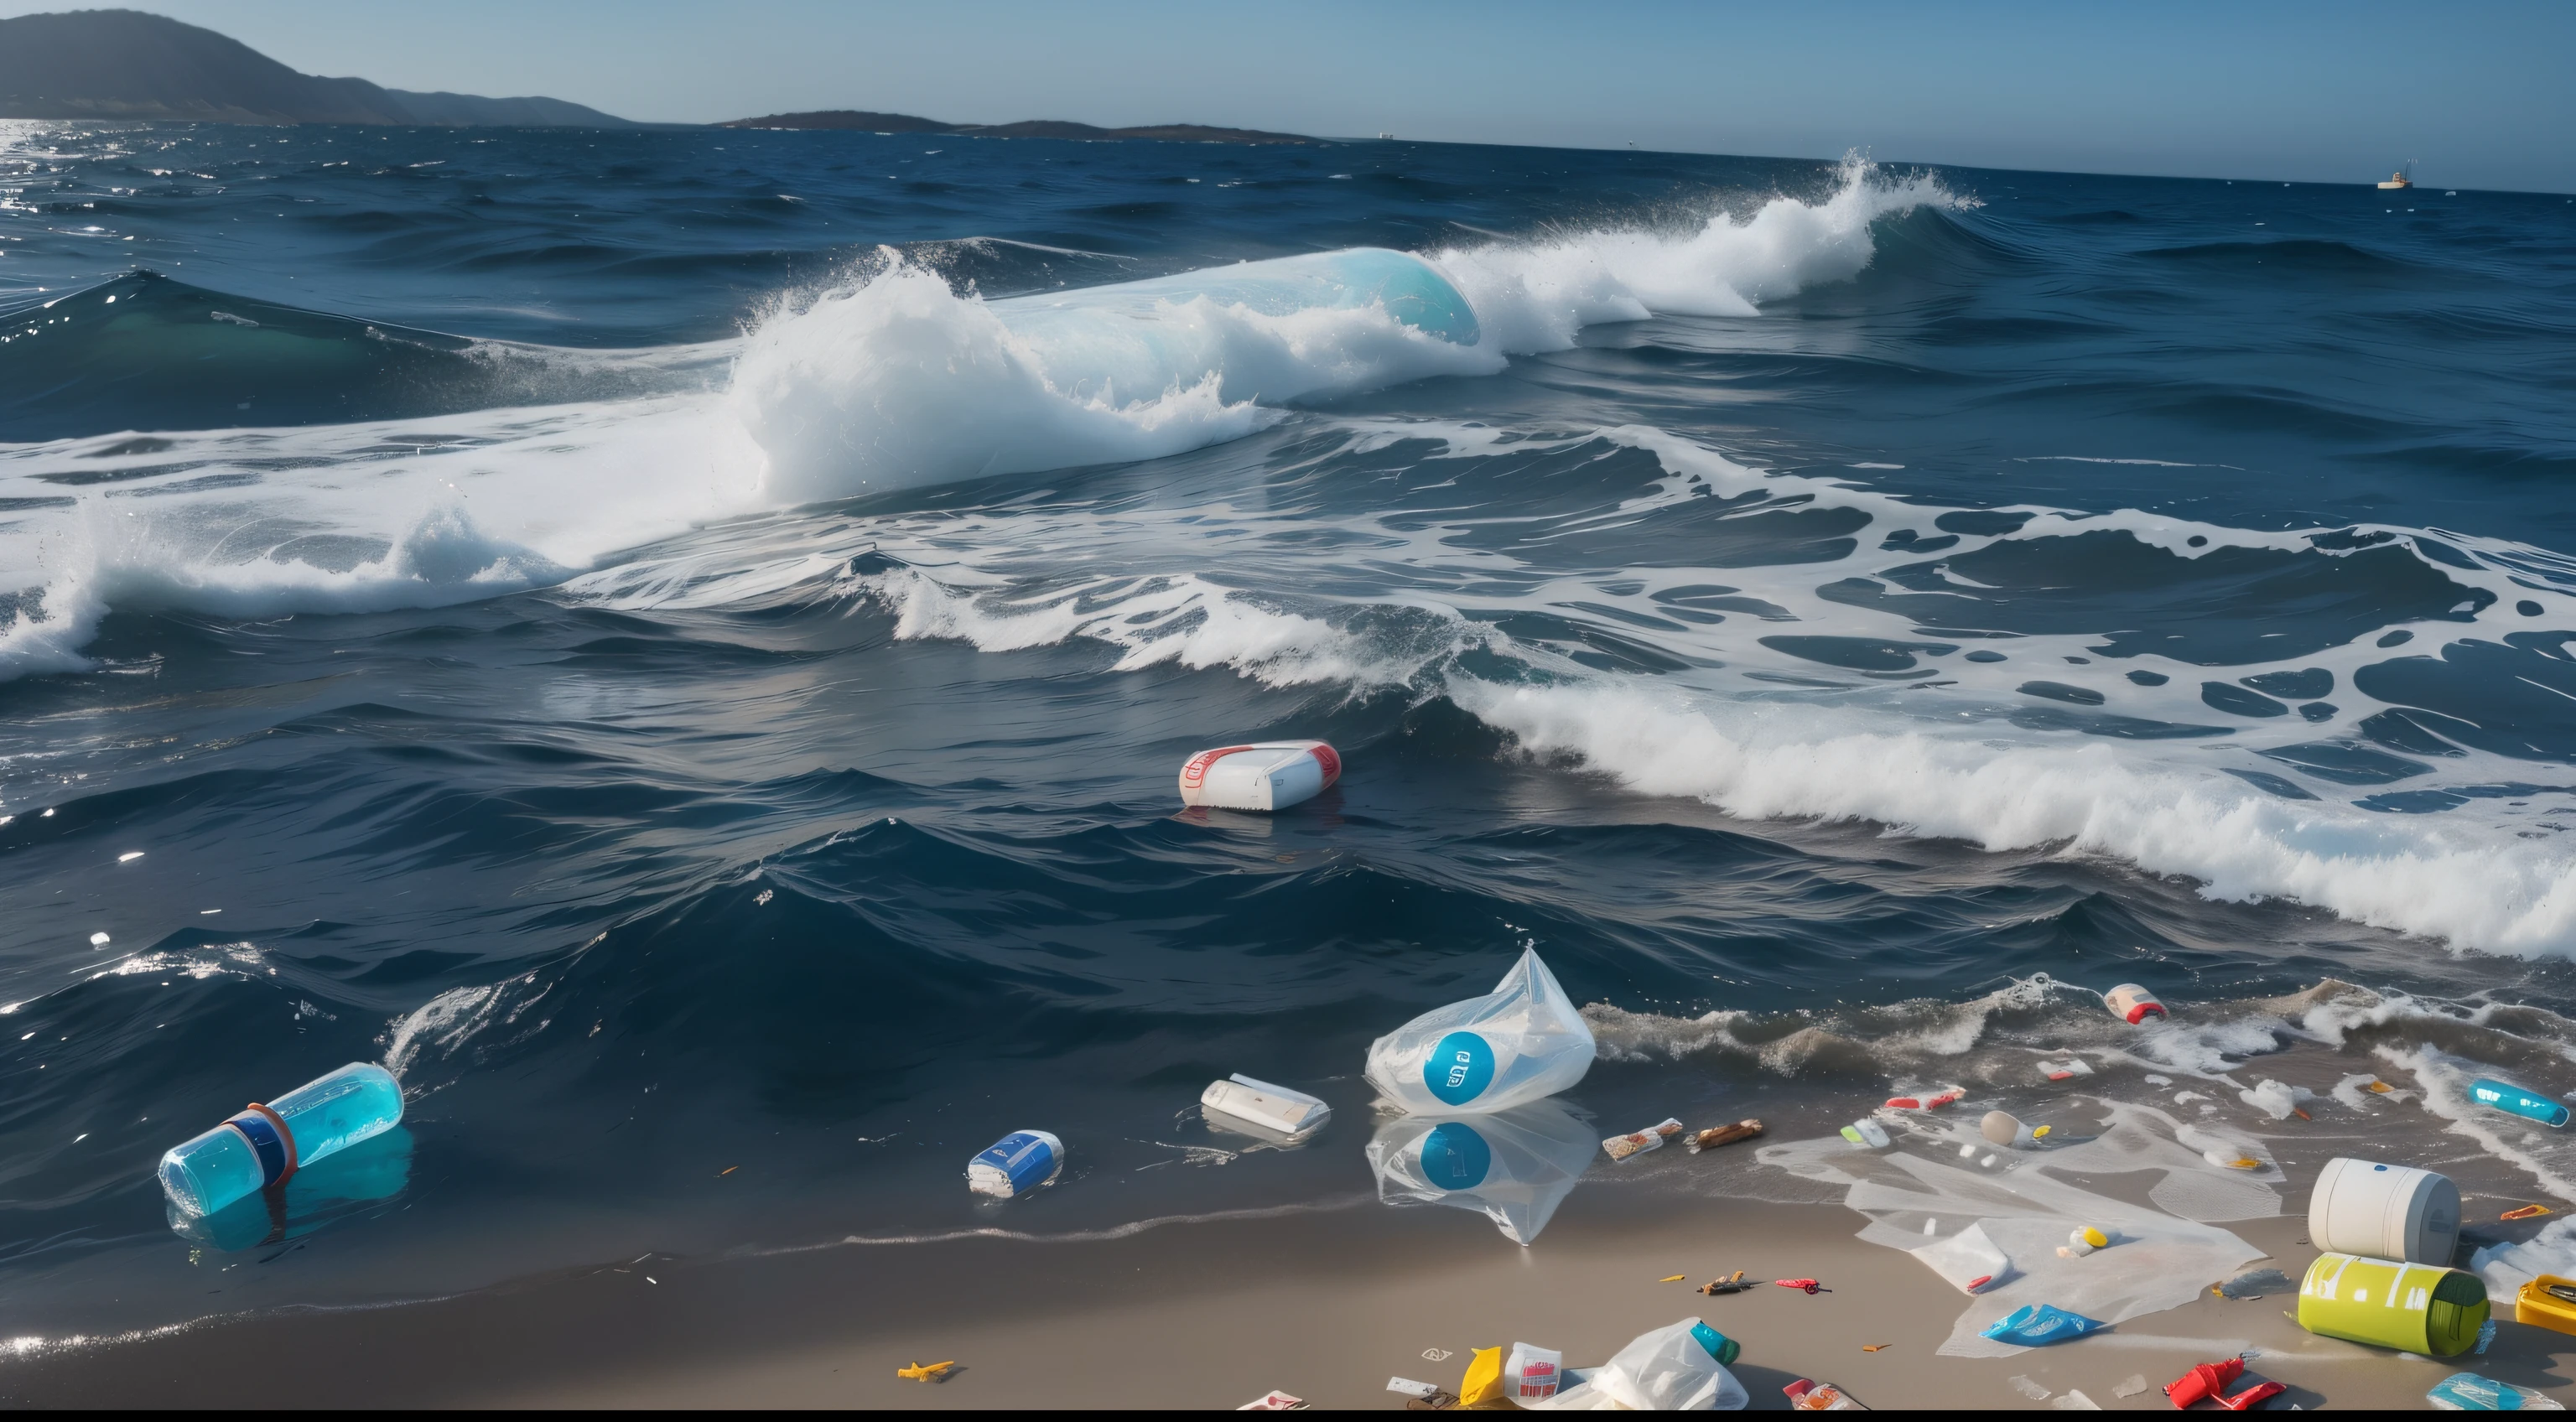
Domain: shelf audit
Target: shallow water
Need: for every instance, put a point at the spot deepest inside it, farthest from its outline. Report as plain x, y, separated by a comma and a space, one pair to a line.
627, 630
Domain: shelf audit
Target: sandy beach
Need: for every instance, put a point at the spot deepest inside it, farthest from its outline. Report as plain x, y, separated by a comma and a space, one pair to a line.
1326, 1304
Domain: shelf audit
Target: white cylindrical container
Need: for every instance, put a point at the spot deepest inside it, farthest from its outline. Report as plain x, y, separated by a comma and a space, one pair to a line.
2384, 1212
1292, 1114
1271, 775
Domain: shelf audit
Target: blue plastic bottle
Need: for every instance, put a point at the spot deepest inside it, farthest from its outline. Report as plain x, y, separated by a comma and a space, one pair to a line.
266, 1144
2505, 1096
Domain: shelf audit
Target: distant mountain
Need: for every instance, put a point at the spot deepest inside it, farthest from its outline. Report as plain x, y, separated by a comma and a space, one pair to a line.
1032, 128
124, 64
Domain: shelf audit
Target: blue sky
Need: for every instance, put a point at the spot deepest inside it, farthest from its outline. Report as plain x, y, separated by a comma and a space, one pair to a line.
2478, 94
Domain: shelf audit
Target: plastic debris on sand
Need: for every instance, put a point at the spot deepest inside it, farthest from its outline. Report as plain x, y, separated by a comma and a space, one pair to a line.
926, 1372
1969, 1260
1866, 1134
2038, 1325
1806, 1395
1636, 1142
2467, 1392
1716, 1136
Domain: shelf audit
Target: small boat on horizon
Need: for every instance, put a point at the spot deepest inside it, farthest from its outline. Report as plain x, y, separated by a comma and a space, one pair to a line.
2400, 179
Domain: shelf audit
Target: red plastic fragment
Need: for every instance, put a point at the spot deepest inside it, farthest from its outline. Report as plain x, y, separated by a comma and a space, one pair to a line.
2205, 1382
2251, 1397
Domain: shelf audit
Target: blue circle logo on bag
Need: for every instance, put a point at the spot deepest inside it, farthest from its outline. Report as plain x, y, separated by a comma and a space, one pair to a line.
1454, 1157
1459, 1068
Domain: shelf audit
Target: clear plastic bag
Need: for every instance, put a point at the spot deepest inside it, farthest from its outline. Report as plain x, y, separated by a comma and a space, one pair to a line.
1671, 1369
1515, 1167
2467, 1392
1516, 1044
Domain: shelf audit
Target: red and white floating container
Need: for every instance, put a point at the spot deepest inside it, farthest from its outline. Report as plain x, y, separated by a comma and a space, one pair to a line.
2133, 1004
1269, 775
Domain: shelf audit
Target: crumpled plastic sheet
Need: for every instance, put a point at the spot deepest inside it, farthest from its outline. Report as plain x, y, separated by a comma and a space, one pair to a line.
2164, 1252
2507, 1267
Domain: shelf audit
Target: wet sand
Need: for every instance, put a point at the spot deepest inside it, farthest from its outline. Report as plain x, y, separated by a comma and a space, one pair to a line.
1325, 1304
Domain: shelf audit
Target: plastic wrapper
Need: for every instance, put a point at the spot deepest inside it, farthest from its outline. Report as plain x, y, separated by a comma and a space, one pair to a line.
1622, 1147
2038, 1325
1531, 1374
2467, 1392
1517, 1044
1969, 1260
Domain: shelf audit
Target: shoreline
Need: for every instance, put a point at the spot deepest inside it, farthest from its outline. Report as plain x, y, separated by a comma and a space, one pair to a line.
1325, 1304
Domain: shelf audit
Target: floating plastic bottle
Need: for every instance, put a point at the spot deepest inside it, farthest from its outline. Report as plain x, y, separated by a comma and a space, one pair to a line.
2133, 1004
1267, 775
266, 1144
1016, 1164
2505, 1096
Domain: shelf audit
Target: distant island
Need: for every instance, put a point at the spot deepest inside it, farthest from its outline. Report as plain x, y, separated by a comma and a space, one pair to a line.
860, 119
124, 64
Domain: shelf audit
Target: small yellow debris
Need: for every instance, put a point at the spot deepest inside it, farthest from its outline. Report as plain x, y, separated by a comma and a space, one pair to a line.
728, 1170
1672, 1278
2527, 1212
2379, 1088
1874, 1347
926, 1372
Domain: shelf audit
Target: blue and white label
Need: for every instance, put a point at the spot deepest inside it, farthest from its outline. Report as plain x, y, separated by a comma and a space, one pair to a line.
1459, 1069
1454, 1157
1027, 1158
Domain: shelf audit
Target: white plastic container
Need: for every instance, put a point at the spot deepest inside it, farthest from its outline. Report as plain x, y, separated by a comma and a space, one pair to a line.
2133, 1004
1269, 775
1532, 1374
1276, 1110
2384, 1212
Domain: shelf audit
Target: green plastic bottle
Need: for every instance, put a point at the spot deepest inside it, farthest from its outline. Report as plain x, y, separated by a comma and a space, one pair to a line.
2414, 1308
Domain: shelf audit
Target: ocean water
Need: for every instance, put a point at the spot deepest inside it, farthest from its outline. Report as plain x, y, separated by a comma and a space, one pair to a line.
679, 644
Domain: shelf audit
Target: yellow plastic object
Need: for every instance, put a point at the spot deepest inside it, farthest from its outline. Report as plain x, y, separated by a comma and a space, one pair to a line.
1484, 1378
2540, 1308
2415, 1308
